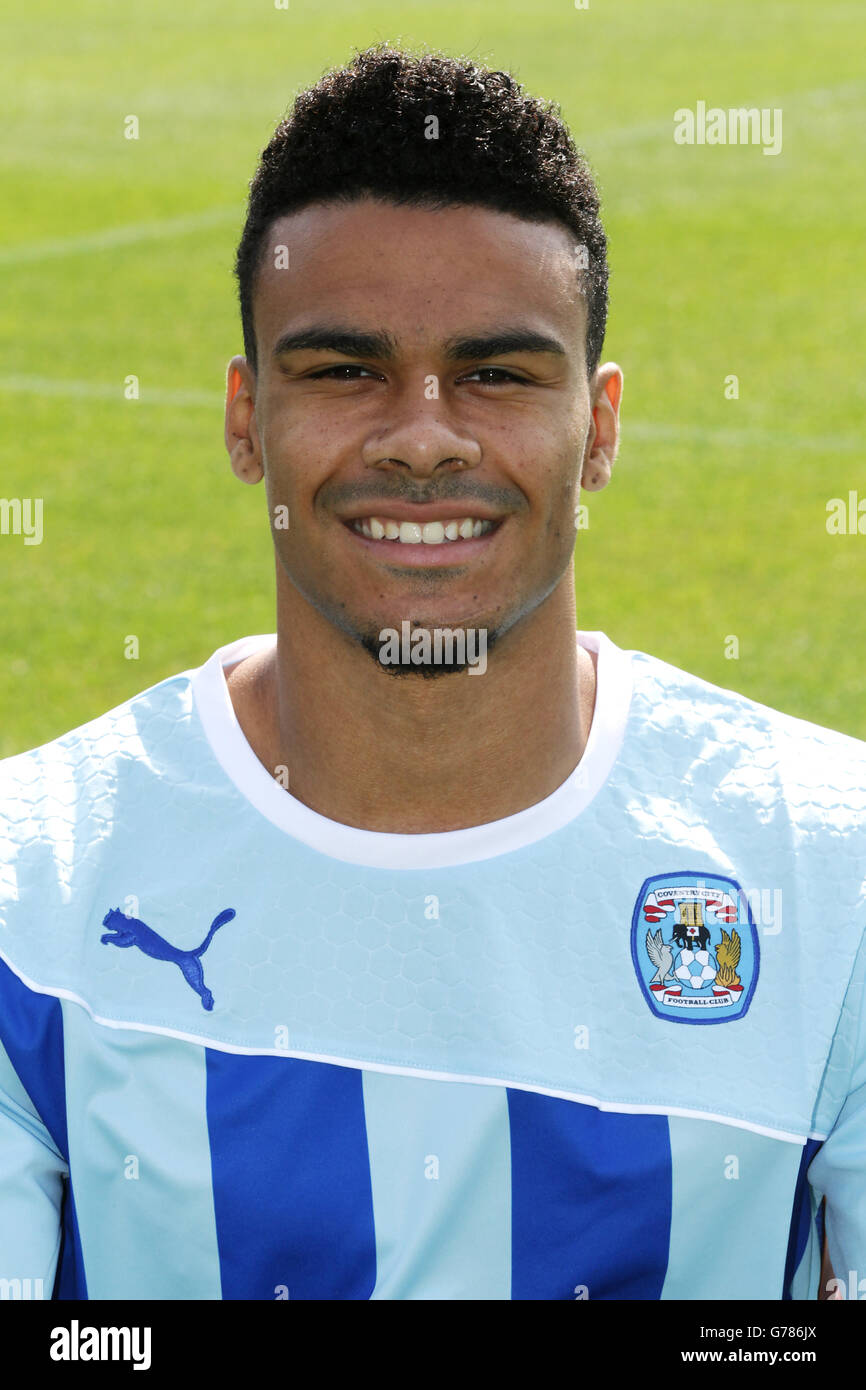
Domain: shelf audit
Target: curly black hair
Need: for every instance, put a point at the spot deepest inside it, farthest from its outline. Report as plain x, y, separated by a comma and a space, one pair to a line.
364, 129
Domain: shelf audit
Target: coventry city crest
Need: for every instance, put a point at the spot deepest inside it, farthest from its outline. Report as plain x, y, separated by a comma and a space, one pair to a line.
695, 947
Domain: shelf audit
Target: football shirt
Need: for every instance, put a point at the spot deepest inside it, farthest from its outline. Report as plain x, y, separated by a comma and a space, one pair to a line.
610, 1047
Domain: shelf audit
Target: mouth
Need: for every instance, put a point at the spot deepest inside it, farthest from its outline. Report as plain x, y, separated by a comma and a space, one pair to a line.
438, 539
440, 531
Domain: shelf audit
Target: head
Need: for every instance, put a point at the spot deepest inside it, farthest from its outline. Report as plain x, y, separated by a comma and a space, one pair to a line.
423, 290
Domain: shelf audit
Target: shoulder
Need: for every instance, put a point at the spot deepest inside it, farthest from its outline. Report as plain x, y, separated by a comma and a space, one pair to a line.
747, 745
52, 782
150, 731
61, 805
76, 811
64, 803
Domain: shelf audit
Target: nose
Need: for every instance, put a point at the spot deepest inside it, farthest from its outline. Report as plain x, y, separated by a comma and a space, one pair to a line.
420, 436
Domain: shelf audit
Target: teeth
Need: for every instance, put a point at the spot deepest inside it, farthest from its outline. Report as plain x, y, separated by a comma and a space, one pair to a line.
412, 533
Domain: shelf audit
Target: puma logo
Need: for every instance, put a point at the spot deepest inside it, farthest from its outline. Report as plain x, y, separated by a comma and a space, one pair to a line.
129, 931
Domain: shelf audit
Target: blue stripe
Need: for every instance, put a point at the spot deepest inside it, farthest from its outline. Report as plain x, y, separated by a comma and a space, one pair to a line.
591, 1200
291, 1178
33, 1037
801, 1216
71, 1281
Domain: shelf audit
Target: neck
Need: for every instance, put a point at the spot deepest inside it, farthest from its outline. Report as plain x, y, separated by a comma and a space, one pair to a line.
407, 755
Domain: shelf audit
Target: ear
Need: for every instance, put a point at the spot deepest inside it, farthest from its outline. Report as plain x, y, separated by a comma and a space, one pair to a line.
241, 431
603, 439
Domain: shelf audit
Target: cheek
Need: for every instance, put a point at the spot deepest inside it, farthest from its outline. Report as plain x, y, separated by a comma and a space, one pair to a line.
562, 499
299, 455
555, 485
544, 461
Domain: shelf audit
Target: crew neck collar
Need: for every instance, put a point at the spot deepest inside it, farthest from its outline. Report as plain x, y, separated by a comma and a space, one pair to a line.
381, 849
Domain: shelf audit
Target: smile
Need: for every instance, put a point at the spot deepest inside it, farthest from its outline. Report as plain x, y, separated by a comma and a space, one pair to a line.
415, 533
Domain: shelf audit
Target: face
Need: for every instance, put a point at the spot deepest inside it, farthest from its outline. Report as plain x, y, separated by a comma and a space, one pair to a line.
421, 414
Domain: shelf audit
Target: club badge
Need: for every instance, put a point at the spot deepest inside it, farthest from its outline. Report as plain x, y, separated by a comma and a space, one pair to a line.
695, 947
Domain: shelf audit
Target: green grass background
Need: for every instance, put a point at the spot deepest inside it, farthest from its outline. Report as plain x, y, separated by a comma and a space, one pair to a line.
115, 258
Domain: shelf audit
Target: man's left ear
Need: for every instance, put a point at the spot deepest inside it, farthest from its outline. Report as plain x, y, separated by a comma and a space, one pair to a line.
603, 439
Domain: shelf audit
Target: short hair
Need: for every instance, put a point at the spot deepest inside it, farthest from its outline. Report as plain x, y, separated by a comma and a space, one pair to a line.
360, 131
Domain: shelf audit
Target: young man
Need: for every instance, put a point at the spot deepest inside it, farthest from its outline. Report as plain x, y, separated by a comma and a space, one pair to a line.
413, 953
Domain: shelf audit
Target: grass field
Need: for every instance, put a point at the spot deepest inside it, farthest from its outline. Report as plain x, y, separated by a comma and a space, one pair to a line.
115, 259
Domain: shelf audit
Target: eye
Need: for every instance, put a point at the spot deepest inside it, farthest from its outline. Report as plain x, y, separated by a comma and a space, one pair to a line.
342, 371
493, 376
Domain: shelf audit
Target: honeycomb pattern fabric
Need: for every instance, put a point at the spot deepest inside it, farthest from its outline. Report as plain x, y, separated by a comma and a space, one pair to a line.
514, 968
338, 960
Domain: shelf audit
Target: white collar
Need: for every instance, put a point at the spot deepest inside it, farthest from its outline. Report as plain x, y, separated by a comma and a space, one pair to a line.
378, 849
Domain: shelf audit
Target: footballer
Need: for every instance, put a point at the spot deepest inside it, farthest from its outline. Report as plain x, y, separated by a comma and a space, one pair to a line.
414, 951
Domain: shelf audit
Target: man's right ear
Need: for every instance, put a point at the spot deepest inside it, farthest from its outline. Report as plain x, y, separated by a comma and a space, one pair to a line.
241, 432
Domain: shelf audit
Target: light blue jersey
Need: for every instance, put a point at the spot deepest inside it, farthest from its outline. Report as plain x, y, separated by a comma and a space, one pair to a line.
610, 1047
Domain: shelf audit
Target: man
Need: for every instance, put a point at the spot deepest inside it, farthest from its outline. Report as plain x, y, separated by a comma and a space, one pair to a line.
418, 952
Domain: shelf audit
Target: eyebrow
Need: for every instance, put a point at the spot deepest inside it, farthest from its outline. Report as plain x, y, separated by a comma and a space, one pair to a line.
335, 338
499, 342
382, 345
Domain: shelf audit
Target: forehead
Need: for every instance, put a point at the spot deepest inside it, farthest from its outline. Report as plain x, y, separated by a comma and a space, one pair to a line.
423, 274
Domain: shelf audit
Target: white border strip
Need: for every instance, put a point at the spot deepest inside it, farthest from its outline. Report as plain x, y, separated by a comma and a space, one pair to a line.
617, 1107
